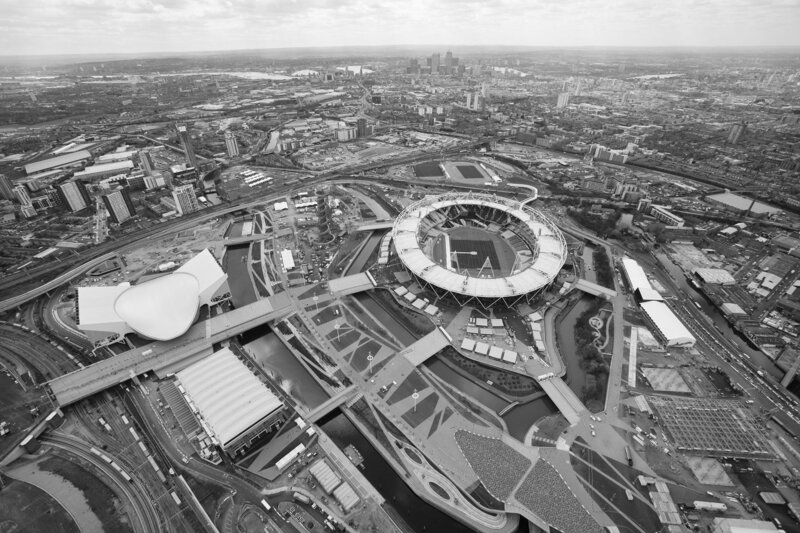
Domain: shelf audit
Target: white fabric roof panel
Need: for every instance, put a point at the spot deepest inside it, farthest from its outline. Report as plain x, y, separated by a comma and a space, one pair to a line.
482, 348
495, 352
635, 274
510, 356
669, 326
545, 267
209, 274
467, 344
230, 398
96, 308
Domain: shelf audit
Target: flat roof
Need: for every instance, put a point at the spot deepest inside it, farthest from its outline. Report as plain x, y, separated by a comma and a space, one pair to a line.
550, 256
715, 275
104, 167
743, 203
230, 398
667, 323
61, 160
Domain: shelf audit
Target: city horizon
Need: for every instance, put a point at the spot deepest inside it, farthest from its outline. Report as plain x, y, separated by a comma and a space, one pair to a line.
240, 25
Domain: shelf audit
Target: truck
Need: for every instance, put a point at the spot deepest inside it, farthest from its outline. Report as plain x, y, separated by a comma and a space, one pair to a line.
628, 455
301, 498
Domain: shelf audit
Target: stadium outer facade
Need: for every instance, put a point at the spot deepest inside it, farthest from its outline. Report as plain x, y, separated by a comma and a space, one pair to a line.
546, 248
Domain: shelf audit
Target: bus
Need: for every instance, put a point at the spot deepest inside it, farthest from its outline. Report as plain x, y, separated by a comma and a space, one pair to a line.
267, 506
175, 498
628, 455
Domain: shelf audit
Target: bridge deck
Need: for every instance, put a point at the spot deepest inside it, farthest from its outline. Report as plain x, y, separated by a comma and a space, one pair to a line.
350, 284
568, 404
99, 376
594, 289
372, 226
430, 344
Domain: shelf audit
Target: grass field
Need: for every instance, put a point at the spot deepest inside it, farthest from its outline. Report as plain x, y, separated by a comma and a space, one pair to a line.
428, 170
486, 244
469, 172
484, 248
24, 507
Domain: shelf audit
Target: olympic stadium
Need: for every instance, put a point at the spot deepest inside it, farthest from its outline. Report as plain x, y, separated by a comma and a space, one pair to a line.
479, 249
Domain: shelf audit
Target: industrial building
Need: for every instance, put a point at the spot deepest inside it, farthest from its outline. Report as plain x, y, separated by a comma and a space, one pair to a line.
161, 309
637, 281
73, 158
668, 326
233, 405
104, 170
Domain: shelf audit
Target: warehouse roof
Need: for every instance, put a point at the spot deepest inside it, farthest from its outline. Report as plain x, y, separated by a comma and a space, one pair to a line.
58, 161
635, 274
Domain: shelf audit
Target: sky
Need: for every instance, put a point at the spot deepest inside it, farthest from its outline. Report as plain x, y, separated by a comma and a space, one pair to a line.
142, 26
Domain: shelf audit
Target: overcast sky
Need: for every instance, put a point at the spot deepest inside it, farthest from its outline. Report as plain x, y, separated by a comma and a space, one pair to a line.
133, 26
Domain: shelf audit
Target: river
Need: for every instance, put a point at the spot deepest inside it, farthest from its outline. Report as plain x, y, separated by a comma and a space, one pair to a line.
416, 512
279, 363
565, 334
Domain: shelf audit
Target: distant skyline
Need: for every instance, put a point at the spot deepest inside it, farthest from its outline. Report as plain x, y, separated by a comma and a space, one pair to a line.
148, 26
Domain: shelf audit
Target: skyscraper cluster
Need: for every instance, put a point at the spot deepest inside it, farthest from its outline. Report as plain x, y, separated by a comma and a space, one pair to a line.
436, 65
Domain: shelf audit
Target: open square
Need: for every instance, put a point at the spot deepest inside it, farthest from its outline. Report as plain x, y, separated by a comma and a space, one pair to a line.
666, 380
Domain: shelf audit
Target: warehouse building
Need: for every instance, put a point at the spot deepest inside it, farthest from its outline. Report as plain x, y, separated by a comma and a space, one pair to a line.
73, 158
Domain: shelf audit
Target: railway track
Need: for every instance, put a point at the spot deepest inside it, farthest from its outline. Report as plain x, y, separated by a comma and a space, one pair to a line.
144, 517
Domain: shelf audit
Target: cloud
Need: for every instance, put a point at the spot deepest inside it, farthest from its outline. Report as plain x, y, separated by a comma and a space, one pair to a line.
85, 26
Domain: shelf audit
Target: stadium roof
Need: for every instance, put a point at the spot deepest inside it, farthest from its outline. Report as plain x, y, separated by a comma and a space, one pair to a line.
230, 398
668, 325
739, 525
58, 161
550, 257
160, 309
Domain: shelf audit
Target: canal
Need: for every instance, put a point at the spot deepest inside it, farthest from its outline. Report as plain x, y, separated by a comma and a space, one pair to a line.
677, 277
416, 512
361, 259
236, 264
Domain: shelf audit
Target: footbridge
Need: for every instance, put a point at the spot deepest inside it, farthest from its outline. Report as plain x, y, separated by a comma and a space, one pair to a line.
427, 346
324, 409
379, 225
594, 289
160, 357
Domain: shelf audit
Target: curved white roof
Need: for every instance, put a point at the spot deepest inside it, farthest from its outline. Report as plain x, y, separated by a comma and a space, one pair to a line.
161, 309
549, 258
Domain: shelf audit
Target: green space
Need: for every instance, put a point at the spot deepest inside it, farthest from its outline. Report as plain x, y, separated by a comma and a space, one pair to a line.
509, 383
602, 267
100, 498
591, 360
24, 507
